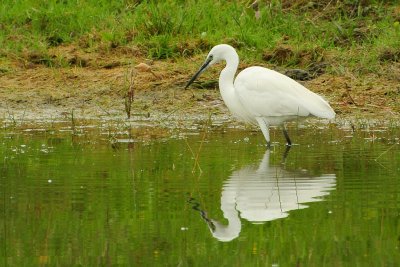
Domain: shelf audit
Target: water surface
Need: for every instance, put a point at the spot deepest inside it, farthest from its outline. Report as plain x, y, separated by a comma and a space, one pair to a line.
215, 199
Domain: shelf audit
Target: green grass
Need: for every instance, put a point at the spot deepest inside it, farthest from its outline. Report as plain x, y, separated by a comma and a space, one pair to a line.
354, 33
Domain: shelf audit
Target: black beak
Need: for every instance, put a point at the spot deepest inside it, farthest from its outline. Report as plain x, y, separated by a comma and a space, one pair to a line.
200, 71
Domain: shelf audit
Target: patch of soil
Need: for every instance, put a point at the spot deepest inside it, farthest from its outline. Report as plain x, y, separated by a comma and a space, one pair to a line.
285, 55
390, 55
95, 84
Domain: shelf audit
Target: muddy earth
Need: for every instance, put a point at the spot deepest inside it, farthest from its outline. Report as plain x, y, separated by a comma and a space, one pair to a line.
96, 85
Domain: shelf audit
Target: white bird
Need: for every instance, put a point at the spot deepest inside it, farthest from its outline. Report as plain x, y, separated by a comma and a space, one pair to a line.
265, 192
262, 96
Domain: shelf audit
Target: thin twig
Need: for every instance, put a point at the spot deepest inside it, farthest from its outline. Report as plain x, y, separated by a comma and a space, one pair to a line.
196, 162
384, 152
202, 141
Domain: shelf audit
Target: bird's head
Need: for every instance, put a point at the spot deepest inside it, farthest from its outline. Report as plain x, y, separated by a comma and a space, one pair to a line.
216, 54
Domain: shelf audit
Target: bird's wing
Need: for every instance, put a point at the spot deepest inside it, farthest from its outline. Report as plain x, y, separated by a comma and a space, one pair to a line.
265, 92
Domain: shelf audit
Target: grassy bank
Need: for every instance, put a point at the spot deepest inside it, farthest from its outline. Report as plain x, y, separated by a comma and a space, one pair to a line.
350, 35
61, 56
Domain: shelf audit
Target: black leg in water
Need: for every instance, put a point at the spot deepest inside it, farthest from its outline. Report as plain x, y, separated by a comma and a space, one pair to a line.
285, 154
285, 133
268, 145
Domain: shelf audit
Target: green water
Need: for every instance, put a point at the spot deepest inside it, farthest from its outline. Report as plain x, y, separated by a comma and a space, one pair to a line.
77, 200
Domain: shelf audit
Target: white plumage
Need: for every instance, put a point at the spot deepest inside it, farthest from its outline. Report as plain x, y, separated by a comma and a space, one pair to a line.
265, 192
262, 96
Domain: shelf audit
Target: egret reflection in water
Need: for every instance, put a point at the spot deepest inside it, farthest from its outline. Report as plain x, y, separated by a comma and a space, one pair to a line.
264, 193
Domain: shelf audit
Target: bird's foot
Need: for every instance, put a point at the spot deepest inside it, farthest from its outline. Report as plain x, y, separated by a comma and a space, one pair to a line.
269, 146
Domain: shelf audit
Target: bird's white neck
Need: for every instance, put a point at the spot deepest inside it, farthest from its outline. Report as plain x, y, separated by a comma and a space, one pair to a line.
227, 75
228, 206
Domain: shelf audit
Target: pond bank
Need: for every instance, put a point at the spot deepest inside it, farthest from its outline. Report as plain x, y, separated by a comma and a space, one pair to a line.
34, 92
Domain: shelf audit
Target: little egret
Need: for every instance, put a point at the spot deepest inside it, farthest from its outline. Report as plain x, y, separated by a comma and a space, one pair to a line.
264, 192
262, 96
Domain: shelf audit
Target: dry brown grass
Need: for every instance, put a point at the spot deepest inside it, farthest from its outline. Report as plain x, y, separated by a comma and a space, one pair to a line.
33, 86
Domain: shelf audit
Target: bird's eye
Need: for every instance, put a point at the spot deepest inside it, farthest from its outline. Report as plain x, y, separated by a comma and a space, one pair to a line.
211, 57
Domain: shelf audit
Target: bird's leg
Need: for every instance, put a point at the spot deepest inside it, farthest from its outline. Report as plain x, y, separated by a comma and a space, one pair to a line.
285, 133
285, 154
264, 128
